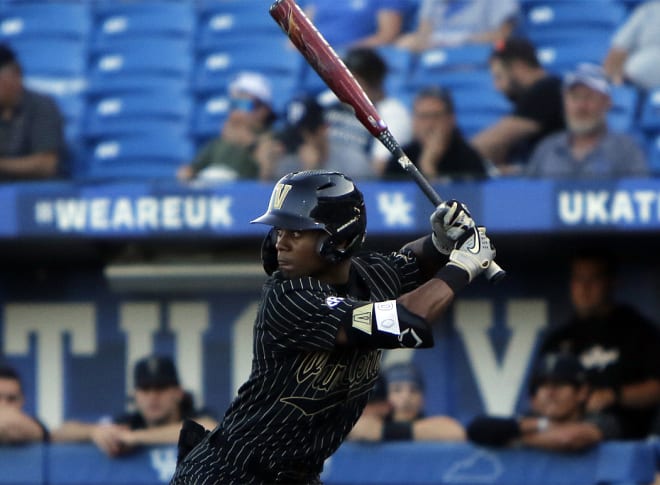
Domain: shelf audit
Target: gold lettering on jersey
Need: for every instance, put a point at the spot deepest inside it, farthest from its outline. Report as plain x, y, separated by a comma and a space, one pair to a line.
279, 194
340, 377
362, 318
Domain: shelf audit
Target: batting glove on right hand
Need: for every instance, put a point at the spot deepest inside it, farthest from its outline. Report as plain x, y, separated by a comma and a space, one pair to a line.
473, 253
450, 222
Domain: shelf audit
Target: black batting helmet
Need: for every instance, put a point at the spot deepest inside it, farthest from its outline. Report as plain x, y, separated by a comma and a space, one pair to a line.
317, 200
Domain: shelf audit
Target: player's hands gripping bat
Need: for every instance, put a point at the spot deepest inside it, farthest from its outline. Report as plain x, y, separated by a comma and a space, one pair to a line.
325, 61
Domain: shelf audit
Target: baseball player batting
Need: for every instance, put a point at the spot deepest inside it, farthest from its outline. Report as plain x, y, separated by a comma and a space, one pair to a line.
327, 310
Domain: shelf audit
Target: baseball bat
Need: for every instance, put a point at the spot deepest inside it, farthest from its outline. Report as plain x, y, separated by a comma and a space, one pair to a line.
325, 61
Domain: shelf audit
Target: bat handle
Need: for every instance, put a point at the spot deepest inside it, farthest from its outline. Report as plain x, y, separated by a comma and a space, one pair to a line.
494, 273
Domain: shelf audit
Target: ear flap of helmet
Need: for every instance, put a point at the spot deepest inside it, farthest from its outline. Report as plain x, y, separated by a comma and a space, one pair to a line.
269, 252
327, 248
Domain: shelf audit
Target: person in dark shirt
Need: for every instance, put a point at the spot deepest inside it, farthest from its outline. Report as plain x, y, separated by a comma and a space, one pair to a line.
325, 313
16, 426
161, 405
438, 148
558, 420
31, 127
538, 107
618, 346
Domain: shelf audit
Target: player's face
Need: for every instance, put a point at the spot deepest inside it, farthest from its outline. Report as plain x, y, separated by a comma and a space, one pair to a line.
406, 399
590, 287
297, 254
431, 118
586, 109
159, 405
559, 401
11, 395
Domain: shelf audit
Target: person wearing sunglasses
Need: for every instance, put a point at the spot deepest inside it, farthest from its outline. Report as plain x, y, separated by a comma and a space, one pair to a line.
232, 154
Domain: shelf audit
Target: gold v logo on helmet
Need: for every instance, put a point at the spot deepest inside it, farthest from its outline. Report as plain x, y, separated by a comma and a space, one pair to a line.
279, 194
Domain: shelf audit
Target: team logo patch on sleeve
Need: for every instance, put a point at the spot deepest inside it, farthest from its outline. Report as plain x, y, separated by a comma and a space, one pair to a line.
362, 318
387, 319
333, 301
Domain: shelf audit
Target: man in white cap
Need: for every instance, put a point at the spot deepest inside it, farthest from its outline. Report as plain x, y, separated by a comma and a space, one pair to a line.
231, 155
587, 149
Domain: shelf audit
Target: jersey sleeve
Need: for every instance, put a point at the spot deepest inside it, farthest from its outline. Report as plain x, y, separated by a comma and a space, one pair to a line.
407, 269
302, 314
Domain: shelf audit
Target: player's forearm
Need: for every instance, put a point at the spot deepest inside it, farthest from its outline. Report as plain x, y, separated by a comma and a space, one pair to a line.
429, 259
429, 301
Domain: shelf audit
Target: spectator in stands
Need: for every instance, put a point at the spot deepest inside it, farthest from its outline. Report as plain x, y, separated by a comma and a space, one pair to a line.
301, 144
438, 148
364, 156
559, 419
634, 55
448, 23
587, 149
161, 405
231, 155
367, 23
619, 347
31, 129
16, 426
406, 420
537, 100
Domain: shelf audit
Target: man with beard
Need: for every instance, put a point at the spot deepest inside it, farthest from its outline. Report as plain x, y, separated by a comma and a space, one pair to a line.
586, 149
536, 95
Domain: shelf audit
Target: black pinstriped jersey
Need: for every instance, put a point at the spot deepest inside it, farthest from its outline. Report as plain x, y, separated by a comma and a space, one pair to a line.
304, 393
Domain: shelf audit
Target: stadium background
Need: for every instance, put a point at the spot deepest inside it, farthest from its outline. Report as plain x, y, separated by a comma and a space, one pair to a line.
90, 284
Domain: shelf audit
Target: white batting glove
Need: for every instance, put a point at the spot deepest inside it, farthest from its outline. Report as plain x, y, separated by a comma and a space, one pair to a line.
473, 254
450, 222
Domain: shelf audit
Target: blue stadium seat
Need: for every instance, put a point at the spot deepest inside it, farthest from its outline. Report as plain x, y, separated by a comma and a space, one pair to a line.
166, 57
40, 19
209, 115
274, 57
654, 155
98, 127
649, 117
581, 13
51, 57
138, 83
472, 80
571, 35
219, 21
624, 108
144, 19
142, 156
561, 57
139, 106
485, 101
400, 64
472, 56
